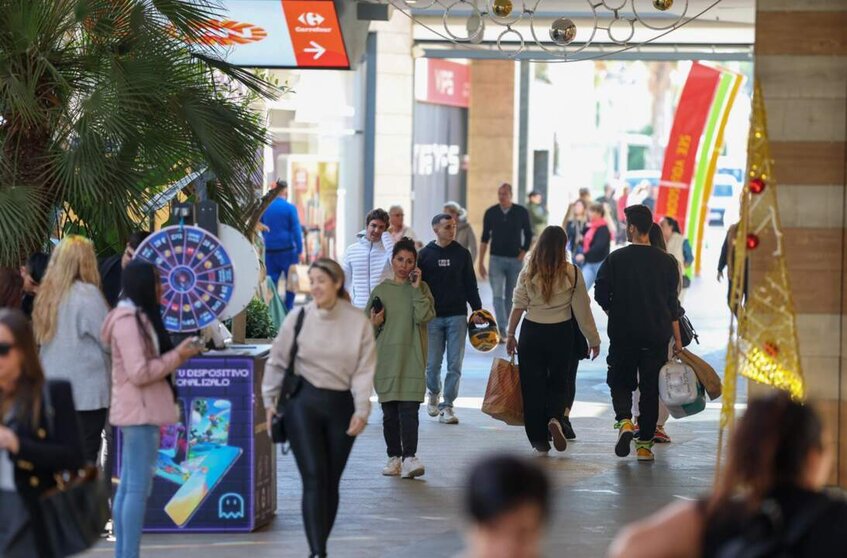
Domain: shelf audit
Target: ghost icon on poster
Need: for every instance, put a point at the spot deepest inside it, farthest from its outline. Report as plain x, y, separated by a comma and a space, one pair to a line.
231, 506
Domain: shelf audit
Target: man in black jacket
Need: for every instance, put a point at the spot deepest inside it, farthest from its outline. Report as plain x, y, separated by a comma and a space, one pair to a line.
447, 268
637, 287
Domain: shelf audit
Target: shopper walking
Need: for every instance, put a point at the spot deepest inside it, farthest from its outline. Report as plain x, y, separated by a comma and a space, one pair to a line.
401, 343
657, 240
506, 226
576, 218
447, 269
368, 260
507, 503
144, 397
38, 439
464, 232
769, 500
596, 244
332, 406
283, 239
551, 292
68, 316
637, 287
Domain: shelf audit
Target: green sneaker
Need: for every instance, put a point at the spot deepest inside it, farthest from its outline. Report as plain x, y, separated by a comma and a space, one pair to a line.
644, 451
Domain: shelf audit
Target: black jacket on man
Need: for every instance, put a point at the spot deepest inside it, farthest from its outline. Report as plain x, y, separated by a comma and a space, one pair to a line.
511, 231
638, 287
450, 275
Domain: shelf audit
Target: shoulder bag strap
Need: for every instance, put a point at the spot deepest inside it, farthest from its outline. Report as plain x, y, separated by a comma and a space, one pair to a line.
298, 325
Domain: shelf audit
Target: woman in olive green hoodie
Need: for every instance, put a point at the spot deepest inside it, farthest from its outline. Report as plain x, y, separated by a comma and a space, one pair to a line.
401, 337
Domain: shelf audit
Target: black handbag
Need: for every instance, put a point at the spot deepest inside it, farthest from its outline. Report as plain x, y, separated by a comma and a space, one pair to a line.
580, 343
687, 332
74, 512
291, 384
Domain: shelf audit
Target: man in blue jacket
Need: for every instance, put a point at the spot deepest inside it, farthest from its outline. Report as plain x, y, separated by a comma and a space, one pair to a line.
447, 267
283, 239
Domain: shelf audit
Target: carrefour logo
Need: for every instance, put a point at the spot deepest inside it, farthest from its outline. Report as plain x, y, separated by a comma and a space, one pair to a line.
311, 19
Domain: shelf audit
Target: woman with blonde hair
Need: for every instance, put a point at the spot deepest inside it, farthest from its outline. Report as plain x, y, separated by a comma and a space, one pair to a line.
551, 292
67, 318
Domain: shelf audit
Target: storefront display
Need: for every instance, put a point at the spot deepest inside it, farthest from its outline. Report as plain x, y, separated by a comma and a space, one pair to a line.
314, 191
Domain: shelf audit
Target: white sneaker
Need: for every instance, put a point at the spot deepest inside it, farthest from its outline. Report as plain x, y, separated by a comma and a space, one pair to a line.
392, 468
432, 403
448, 417
412, 467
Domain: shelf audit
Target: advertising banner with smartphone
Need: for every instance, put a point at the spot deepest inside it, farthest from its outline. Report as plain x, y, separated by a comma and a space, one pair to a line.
214, 471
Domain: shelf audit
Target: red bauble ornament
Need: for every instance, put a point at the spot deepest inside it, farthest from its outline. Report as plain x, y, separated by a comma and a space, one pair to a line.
771, 349
752, 241
757, 186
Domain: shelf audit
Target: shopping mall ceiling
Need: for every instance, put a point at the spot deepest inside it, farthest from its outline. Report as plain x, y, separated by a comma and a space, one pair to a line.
725, 31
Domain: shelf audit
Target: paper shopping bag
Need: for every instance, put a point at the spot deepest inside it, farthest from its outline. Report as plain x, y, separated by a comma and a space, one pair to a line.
503, 399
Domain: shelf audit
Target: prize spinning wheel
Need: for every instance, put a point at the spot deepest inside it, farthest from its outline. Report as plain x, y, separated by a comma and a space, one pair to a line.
197, 275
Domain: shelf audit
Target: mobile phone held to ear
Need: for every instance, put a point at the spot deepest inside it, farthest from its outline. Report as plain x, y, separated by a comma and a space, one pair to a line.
413, 276
377, 305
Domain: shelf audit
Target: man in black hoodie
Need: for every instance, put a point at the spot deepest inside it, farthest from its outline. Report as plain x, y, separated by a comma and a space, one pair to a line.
637, 286
447, 268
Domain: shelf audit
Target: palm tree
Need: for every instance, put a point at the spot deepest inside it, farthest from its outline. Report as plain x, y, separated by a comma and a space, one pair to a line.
103, 103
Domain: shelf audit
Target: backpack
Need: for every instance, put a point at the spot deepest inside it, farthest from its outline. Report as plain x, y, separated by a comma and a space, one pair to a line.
767, 535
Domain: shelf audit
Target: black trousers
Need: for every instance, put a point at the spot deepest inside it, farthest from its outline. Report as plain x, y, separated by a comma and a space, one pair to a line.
570, 380
400, 427
91, 425
317, 421
630, 368
545, 358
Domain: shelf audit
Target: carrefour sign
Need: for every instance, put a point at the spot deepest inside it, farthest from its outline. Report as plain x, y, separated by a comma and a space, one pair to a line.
278, 34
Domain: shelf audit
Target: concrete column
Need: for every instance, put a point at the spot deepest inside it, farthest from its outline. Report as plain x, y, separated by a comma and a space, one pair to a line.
801, 60
491, 135
395, 96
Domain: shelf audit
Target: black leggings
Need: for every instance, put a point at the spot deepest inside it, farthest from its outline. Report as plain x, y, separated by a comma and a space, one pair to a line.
400, 427
92, 424
317, 421
544, 352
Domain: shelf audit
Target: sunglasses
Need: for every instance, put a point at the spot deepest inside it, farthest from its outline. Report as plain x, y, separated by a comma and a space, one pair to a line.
6, 348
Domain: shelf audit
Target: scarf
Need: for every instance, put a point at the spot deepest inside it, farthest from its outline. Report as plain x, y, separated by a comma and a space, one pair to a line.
590, 232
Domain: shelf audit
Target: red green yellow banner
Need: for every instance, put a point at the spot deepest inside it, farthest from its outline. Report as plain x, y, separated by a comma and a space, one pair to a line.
681, 153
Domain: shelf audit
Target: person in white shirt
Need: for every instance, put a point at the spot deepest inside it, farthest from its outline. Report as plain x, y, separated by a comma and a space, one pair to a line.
398, 228
368, 260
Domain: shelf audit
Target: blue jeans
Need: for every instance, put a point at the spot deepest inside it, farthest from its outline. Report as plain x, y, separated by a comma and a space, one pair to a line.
277, 263
449, 331
138, 465
589, 273
503, 274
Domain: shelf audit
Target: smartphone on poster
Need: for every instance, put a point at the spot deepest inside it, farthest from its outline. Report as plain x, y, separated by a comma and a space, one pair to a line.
172, 449
208, 429
191, 495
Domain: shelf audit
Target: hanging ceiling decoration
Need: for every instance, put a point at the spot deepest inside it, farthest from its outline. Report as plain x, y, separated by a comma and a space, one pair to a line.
612, 26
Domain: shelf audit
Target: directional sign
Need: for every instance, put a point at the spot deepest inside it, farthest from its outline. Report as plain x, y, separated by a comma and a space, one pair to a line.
277, 34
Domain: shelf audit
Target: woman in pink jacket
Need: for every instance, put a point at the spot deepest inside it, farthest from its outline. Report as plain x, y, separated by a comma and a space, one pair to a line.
143, 396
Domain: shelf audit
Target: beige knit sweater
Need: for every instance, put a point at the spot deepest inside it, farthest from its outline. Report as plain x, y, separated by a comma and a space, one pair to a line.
336, 351
562, 306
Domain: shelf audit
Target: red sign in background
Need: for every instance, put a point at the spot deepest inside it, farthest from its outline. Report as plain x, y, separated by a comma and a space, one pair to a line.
681, 152
315, 34
447, 83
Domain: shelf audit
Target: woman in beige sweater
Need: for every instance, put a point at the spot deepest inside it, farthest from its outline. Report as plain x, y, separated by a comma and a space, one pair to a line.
551, 292
336, 359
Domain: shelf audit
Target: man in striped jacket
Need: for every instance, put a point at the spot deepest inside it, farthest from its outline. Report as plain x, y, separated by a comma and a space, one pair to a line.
368, 260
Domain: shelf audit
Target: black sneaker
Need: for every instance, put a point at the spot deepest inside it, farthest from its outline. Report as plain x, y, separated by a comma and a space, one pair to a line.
554, 427
568, 428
